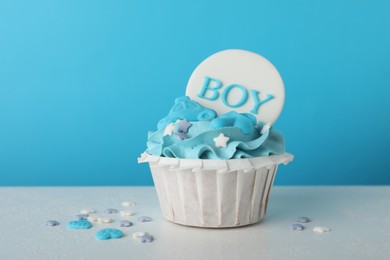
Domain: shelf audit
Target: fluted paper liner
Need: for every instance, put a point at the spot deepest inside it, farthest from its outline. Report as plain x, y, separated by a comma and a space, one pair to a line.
214, 193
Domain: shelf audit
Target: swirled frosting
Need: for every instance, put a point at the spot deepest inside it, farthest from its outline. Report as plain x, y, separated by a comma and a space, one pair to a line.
191, 131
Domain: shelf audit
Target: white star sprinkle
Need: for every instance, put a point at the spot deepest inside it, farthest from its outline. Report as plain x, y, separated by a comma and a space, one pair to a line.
169, 129
221, 140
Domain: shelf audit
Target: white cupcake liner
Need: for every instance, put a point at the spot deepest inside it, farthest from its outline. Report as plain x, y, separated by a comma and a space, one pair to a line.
214, 193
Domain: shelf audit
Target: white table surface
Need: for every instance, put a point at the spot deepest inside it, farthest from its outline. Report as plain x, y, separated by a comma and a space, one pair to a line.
359, 217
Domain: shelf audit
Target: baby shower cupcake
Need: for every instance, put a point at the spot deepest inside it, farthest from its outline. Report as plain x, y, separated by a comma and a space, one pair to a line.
215, 154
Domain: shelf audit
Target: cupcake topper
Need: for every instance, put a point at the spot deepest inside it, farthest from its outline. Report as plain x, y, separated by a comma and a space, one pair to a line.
238, 80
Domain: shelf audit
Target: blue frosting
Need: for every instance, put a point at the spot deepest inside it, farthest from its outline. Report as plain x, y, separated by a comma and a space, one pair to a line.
244, 133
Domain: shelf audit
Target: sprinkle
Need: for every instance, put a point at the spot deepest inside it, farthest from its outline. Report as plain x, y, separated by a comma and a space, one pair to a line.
145, 239
87, 211
102, 220
110, 211
109, 233
128, 204
182, 126
126, 213
81, 216
221, 140
181, 136
139, 234
79, 224
303, 220
144, 219
298, 227
321, 229
125, 223
169, 129
52, 223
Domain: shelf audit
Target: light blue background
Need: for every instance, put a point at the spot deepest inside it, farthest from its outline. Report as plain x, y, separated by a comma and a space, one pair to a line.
81, 83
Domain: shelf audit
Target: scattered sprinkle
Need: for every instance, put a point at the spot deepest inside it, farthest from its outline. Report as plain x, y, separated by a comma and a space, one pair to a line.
139, 234
182, 126
128, 204
126, 213
303, 220
321, 229
87, 211
298, 227
81, 216
125, 223
108, 233
52, 223
145, 239
221, 140
102, 220
169, 129
110, 211
79, 224
144, 219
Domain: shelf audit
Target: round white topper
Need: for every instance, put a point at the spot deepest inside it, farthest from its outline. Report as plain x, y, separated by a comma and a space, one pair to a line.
238, 80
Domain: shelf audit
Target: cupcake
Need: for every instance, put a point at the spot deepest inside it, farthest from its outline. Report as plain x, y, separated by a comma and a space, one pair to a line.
214, 166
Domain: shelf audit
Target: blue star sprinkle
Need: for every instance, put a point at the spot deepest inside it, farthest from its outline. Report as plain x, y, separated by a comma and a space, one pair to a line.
52, 223
297, 227
125, 223
303, 220
144, 219
109, 233
145, 239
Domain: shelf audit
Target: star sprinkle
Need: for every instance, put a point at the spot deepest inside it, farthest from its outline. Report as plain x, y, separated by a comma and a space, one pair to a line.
125, 223
169, 129
221, 140
144, 219
145, 239
52, 223
127, 204
87, 211
126, 213
182, 126
298, 227
303, 219
139, 234
321, 229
